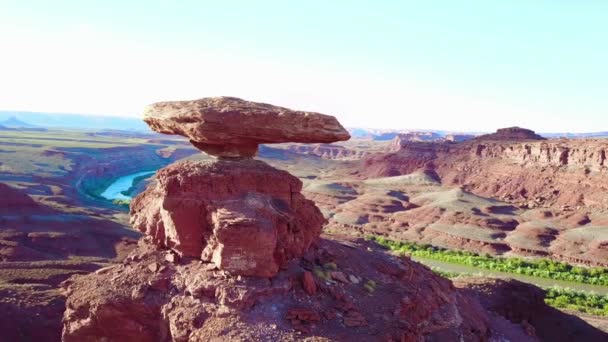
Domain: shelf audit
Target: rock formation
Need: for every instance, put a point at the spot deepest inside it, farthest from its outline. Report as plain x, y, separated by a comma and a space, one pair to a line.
511, 134
244, 216
232, 252
232, 127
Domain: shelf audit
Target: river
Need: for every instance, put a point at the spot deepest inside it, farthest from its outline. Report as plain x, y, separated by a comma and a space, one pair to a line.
113, 192
541, 282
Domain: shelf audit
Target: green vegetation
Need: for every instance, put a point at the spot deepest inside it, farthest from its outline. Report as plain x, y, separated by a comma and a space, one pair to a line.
447, 274
561, 298
325, 272
370, 286
589, 303
122, 202
331, 266
543, 268
320, 273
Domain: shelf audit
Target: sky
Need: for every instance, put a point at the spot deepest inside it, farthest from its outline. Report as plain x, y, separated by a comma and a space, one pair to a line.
467, 65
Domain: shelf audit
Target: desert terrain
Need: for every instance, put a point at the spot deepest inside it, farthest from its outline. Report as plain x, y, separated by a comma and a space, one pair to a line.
512, 196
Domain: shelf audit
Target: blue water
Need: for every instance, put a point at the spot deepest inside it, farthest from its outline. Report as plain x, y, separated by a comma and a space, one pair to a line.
123, 183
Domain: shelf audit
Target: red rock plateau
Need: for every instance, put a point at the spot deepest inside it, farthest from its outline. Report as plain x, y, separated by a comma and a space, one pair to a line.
233, 251
511, 134
523, 197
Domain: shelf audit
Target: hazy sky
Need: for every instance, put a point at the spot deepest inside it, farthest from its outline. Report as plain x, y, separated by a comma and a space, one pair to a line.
470, 65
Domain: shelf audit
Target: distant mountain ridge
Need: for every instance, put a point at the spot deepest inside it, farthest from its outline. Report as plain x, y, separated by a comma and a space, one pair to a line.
69, 120
389, 134
14, 122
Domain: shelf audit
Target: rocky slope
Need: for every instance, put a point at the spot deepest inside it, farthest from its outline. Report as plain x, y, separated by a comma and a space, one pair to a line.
523, 304
338, 291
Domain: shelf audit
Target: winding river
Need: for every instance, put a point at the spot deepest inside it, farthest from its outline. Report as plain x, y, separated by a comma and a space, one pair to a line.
113, 192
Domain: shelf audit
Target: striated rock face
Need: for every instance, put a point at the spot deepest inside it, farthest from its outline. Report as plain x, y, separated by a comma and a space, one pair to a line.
511, 134
244, 216
232, 127
550, 172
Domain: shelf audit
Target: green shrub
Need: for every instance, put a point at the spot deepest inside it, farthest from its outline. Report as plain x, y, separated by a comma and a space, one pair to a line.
370, 286
590, 303
319, 273
331, 266
122, 202
543, 268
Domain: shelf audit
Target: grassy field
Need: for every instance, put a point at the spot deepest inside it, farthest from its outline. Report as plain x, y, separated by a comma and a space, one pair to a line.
60, 139
47, 153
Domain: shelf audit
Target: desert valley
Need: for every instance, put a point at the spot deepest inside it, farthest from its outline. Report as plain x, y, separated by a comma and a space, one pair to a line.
315, 234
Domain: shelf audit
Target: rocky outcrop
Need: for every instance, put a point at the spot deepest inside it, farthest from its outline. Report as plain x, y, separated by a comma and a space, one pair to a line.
244, 216
403, 139
511, 134
361, 294
232, 127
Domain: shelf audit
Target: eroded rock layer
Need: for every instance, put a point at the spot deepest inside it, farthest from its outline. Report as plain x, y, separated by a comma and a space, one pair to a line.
243, 215
553, 172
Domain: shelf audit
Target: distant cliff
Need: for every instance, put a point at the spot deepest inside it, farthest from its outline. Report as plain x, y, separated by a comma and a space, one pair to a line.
537, 173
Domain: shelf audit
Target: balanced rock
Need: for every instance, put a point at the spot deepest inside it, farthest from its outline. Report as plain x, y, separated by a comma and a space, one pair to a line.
243, 215
233, 128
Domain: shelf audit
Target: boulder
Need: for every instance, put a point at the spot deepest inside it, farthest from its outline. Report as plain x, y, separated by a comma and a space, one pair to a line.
233, 128
243, 215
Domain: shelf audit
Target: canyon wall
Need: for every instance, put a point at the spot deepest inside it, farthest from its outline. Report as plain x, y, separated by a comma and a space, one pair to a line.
95, 171
567, 173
